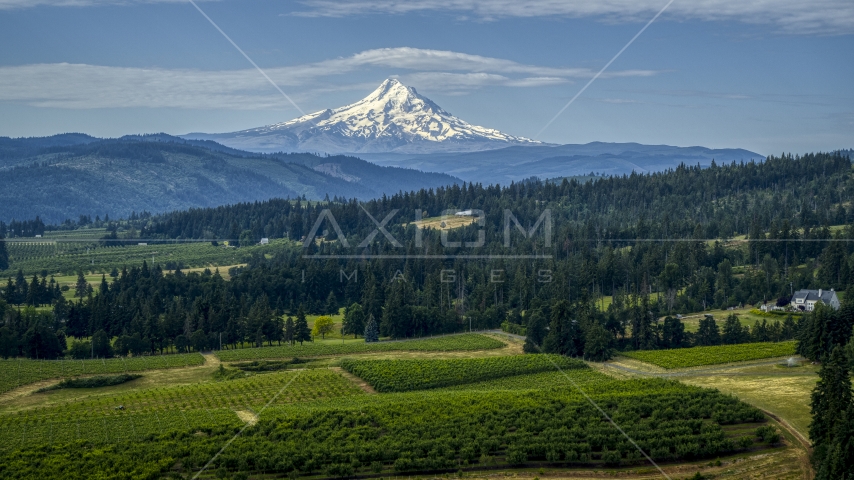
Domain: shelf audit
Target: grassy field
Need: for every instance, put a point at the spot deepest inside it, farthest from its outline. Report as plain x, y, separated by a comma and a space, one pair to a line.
451, 222
782, 391
19, 372
699, 356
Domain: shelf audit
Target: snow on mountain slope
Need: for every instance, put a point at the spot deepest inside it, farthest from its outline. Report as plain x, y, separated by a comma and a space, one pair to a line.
393, 118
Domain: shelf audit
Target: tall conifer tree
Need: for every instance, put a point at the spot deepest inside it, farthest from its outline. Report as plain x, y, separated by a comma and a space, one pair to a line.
4, 254
301, 331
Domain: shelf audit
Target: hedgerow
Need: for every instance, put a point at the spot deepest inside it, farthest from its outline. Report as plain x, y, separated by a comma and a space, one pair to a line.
91, 382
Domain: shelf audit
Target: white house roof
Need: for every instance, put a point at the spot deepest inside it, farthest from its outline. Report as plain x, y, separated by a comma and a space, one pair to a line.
814, 295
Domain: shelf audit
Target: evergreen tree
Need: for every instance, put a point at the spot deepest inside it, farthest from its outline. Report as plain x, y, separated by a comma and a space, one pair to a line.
8, 343
597, 344
790, 328
81, 288
372, 331
733, 332
354, 320
34, 292
331, 306
10, 293
289, 330
708, 333
832, 427
673, 333
301, 331
822, 330
565, 336
41, 342
396, 315
21, 288
101, 347
4, 254
760, 331
535, 331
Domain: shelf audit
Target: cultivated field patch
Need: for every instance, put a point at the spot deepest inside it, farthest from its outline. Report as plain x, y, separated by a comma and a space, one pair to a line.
462, 342
699, 356
18, 372
406, 375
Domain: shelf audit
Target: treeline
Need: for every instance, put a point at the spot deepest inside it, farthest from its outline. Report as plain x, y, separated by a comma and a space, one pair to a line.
22, 228
610, 236
728, 200
36, 292
578, 329
149, 312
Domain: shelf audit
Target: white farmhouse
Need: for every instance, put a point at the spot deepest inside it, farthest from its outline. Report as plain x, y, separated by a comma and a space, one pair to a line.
465, 213
805, 300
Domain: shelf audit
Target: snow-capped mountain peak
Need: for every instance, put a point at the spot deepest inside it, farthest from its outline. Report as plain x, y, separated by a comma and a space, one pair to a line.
392, 118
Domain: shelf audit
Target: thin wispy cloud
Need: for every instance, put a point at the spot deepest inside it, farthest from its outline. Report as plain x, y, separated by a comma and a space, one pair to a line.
791, 16
20, 4
823, 17
457, 82
81, 86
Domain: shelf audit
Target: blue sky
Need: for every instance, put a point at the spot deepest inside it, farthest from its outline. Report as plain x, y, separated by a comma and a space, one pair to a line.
766, 76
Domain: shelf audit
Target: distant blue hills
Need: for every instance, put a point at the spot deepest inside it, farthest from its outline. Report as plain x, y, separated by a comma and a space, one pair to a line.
64, 176
555, 161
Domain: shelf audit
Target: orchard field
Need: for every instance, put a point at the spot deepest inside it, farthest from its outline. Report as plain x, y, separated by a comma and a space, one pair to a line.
432, 415
448, 343
715, 355
65, 256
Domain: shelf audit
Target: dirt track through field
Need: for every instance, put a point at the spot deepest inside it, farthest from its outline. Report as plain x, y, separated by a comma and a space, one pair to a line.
211, 360
804, 441
805, 452
356, 380
25, 390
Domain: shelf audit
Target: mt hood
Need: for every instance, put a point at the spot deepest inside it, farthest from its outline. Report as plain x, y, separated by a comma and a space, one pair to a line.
393, 118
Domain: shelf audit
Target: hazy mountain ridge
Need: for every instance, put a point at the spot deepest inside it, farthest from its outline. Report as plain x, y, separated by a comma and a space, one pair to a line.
553, 161
394, 125
63, 178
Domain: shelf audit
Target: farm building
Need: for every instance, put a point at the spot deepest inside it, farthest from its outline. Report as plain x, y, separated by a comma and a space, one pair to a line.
805, 300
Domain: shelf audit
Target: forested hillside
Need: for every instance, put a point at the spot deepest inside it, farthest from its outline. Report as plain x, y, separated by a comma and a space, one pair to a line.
681, 241
722, 201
